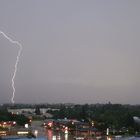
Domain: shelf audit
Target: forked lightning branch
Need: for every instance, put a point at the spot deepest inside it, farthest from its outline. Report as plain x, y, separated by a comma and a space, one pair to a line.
16, 63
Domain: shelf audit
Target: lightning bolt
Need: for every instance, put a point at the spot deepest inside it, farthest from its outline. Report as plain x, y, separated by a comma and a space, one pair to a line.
16, 64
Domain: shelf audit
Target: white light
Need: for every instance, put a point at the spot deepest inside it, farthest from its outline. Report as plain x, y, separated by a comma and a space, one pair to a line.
54, 138
66, 130
107, 131
14, 122
22, 132
26, 126
36, 133
66, 136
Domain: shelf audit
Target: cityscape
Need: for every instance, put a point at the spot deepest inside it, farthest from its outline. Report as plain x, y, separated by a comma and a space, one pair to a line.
69, 121
70, 70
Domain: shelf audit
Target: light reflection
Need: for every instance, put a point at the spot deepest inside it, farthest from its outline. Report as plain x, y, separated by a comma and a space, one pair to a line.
50, 134
54, 138
36, 133
66, 136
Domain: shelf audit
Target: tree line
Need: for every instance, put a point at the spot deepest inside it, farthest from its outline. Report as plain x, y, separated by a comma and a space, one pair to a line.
115, 116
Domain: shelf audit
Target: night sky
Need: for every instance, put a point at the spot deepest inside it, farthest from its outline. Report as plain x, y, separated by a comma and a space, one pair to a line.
74, 51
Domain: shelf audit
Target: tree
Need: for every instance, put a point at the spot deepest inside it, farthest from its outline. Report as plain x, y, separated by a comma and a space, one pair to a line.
37, 110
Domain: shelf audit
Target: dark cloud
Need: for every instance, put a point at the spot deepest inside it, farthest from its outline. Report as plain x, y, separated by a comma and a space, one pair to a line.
73, 51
